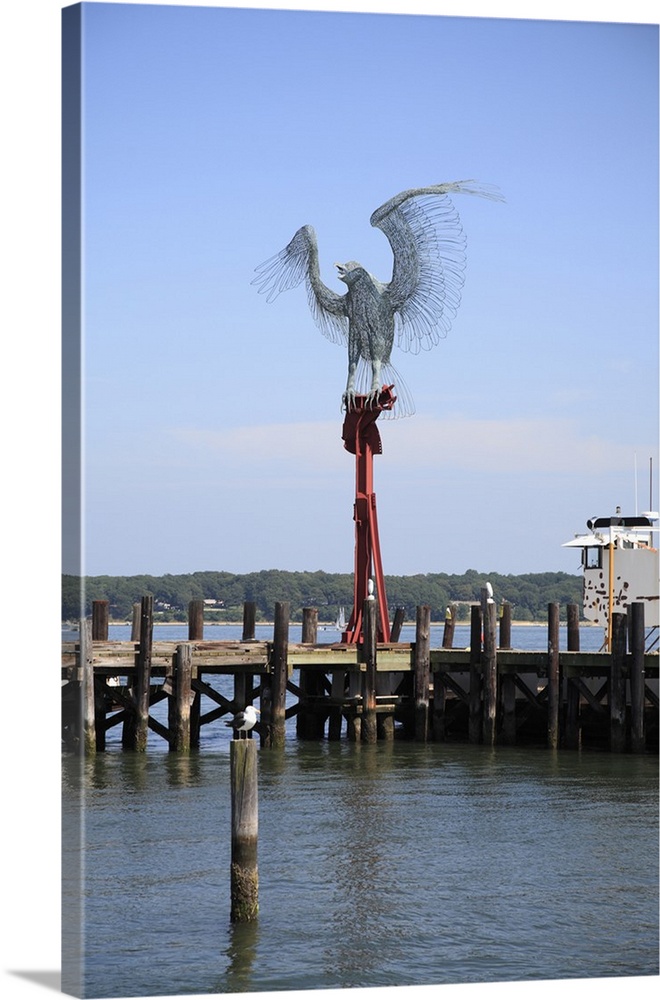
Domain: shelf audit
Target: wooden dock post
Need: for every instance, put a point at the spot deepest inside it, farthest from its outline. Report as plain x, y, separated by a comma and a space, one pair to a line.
554, 682
617, 687
489, 661
143, 673
244, 830
572, 727
310, 721
399, 618
196, 621
135, 627
369, 732
100, 621
249, 619
476, 681
279, 675
421, 675
505, 626
88, 707
182, 699
449, 628
637, 678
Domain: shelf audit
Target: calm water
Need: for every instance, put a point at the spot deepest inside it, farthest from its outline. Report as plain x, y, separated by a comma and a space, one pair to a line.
394, 864
388, 865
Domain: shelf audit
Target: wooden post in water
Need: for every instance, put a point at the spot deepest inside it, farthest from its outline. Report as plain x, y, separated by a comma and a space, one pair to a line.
554, 681
100, 621
279, 674
450, 624
637, 677
180, 716
310, 721
399, 617
249, 619
369, 732
244, 830
475, 717
438, 720
422, 672
489, 661
135, 628
195, 621
88, 708
143, 673
572, 728
617, 687
505, 626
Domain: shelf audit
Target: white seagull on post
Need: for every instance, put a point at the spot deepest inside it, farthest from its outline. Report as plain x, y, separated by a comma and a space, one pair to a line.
243, 722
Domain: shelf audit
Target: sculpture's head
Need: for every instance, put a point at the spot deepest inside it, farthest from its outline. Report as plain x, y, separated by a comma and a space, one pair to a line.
350, 272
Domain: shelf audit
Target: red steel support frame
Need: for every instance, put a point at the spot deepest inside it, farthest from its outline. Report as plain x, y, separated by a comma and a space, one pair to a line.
362, 439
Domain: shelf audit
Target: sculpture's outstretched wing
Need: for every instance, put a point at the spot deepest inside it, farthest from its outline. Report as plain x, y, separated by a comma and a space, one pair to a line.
427, 239
297, 262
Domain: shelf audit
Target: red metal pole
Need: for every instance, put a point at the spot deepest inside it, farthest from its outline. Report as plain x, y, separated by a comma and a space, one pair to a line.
361, 437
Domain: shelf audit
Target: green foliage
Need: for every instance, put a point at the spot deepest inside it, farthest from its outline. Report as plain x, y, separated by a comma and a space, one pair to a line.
529, 594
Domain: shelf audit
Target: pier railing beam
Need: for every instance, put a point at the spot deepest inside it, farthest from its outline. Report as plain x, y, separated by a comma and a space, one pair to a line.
554, 688
422, 676
617, 686
637, 678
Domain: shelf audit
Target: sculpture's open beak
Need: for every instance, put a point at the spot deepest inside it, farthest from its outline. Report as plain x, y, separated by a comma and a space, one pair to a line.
342, 271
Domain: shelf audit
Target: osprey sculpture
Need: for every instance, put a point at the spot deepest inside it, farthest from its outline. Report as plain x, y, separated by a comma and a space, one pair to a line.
415, 308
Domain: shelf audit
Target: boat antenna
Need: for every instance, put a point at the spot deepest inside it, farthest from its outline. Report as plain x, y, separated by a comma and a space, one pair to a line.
651, 482
636, 503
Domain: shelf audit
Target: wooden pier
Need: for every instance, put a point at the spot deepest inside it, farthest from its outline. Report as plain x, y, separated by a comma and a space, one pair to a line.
488, 693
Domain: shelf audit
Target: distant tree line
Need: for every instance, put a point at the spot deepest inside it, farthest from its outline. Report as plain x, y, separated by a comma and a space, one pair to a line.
225, 593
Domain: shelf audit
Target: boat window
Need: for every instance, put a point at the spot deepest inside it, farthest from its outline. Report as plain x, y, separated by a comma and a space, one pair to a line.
592, 557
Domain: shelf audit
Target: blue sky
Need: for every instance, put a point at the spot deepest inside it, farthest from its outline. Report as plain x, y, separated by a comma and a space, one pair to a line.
213, 427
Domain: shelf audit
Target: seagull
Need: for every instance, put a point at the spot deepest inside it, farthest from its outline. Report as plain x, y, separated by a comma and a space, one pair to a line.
243, 722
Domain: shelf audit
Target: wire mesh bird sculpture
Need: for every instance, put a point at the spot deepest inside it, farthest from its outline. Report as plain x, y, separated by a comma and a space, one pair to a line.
415, 309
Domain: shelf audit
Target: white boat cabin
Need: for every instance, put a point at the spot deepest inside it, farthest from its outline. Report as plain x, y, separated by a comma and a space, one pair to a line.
620, 566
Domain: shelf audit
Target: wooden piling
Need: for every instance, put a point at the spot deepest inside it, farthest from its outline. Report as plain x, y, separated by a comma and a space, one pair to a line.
489, 667
100, 621
476, 681
337, 687
135, 627
505, 626
369, 733
244, 830
182, 699
508, 698
637, 677
88, 742
399, 617
554, 689
196, 621
249, 619
438, 720
617, 686
143, 674
572, 727
279, 674
310, 625
449, 628
421, 672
